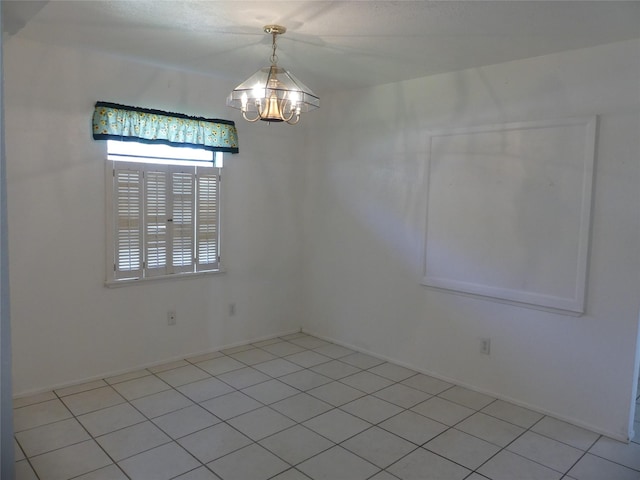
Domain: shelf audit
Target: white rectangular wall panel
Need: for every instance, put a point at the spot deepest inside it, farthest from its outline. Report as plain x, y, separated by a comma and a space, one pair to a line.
508, 212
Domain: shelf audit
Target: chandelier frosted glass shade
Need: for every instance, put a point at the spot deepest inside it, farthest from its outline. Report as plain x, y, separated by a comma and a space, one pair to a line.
273, 94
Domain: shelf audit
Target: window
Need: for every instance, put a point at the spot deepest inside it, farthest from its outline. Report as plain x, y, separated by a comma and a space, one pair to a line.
164, 211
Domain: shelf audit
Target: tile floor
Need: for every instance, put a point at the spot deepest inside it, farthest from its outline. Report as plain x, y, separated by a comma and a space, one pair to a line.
298, 407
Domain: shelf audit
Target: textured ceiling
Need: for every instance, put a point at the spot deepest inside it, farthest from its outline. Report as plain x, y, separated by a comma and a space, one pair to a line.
328, 45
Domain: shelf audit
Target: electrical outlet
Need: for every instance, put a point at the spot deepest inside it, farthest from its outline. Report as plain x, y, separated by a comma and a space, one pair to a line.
232, 309
171, 317
485, 346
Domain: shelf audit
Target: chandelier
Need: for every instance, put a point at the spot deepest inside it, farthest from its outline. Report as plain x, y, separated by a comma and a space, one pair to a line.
273, 94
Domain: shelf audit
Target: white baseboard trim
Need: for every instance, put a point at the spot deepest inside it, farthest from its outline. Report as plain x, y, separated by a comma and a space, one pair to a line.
115, 373
520, 403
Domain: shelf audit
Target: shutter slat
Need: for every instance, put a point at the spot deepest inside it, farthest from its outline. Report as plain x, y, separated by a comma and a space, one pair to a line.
208, 216
183, 224
128, 224
156, 235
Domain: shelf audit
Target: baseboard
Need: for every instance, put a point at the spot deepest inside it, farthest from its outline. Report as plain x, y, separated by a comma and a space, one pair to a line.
104, 375
520, 403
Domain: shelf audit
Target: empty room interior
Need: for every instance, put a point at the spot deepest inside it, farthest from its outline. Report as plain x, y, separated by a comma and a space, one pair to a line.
433, 275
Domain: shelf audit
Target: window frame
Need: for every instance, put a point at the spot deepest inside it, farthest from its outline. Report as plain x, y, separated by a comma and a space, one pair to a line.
198, 170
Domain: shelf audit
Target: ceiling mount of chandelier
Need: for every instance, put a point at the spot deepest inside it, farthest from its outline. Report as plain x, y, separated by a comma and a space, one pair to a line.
273, 94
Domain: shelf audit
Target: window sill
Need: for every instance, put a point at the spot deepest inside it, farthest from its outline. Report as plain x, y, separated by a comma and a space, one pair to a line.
163, 278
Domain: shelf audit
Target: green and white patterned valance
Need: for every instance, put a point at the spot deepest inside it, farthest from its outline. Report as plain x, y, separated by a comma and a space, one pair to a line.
119, 122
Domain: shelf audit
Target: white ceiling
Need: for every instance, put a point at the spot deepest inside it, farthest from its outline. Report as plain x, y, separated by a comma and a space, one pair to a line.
329, 45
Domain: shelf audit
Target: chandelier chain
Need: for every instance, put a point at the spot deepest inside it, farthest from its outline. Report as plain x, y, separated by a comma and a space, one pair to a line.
274, 57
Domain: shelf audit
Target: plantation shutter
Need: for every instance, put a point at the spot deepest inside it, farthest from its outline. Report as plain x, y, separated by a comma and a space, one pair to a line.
207, 237
128, 222
182, 220
156, 236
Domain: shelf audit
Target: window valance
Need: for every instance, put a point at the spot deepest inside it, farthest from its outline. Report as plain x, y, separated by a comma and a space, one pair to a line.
120, 122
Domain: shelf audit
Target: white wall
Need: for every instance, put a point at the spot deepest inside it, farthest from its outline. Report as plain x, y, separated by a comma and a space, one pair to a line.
67, 326
365, 207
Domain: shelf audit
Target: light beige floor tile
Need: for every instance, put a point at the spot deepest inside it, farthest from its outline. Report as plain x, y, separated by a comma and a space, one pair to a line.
264, 343
427, 384
214, 442
160, 403
468, 398
110, 419
243, 377
591, 467
161, 463
305, 380
335, 369
551, 453
508, 466
378, 446
371, 409
51, 437
253, 356
337, 425
252, 462
127, 376
281, 349
337, 463
367, 382
168, 366
270, 391
220, 365
462, 448
92, 400
309, 342
308, 358
392, 371
291, 474
23, 471
17, 451
237, 349
423, 465
186, 421
132, 440
627, 454
261, 423
443, 411
205, 389
334, 351
383, 476
83, 387
110, 472
33, 399
201, 473
140, 387
231, 405
301, 407
183, 375
490, 429
566, 433
70, 461
204, 356
413, 427
291, 336
402, 395
511, 413
296, 444
361, 360
336, 393
39, 414
277, 367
